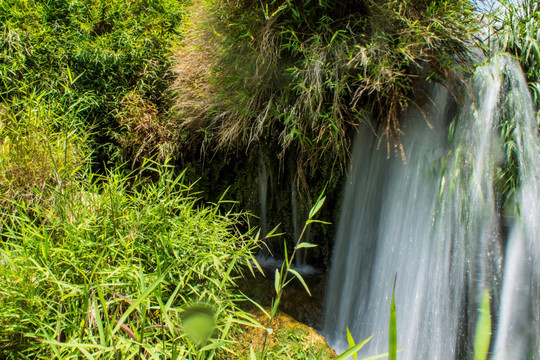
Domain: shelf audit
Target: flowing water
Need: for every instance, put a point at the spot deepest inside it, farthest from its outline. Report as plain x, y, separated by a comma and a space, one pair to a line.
263, 180
298, 215
438, 223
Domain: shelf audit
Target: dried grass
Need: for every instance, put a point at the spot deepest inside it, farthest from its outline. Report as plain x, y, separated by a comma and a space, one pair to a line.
147, 133
193, 91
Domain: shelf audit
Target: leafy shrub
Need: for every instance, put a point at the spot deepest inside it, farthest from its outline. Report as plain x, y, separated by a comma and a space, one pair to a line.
109, 49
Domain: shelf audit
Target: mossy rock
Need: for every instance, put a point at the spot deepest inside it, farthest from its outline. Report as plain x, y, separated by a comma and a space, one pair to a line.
286, 338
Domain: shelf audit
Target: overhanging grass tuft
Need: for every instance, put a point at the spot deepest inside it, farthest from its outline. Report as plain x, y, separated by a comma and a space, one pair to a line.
306, 73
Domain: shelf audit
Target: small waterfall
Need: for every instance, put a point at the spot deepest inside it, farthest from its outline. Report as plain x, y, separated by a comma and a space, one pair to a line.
518, 333
299, 217
263, 180
436, 223
270, 205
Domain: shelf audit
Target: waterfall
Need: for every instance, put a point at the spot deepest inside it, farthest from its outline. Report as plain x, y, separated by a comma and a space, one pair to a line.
518, 333
263, 194
299, 217
436, 222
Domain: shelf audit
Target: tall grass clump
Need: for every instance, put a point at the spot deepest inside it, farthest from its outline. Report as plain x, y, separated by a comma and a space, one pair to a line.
304, 73
115, 52
42, 149
111, 268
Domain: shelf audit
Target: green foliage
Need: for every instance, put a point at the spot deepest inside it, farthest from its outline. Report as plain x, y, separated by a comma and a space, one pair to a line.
108, 269
516, 30
287, 274
294, 344
106, 49
304, 73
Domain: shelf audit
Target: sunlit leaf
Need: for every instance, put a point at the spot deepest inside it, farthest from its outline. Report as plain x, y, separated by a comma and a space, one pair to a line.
392, 326
483, 330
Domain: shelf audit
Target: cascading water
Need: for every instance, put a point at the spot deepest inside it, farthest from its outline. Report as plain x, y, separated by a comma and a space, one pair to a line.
265, 257
299, 217
518, 335
263, 180
436, 223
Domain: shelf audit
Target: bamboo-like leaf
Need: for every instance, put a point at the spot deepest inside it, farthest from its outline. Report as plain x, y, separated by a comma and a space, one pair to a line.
483, 330
286, 262
99, 323
138, 301
75, 345
277, 281
257, 265
257, 305
299, 277
351, 342
275, 306
86, 353
392, 326
353, 350
315, 209
213, 346
304, 245
318, 222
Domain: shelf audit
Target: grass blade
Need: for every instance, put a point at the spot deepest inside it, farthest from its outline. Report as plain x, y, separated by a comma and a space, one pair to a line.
392, 326
139, 300
351, 342
483, 330
299, 277
353, 350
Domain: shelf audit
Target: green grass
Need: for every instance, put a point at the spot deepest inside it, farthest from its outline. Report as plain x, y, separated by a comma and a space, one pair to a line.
108, 266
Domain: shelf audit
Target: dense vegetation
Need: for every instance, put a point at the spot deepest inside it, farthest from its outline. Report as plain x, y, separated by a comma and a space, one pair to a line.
305, 73
516, 29
110, 267
104, 262
101, 266
98, 64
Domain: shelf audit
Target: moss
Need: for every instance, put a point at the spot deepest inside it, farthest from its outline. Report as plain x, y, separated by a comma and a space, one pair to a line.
288, 339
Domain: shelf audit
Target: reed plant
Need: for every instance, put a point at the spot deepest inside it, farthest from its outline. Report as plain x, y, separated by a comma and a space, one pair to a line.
283, 277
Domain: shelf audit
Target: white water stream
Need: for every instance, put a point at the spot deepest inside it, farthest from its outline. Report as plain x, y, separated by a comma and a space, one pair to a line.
436, 223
